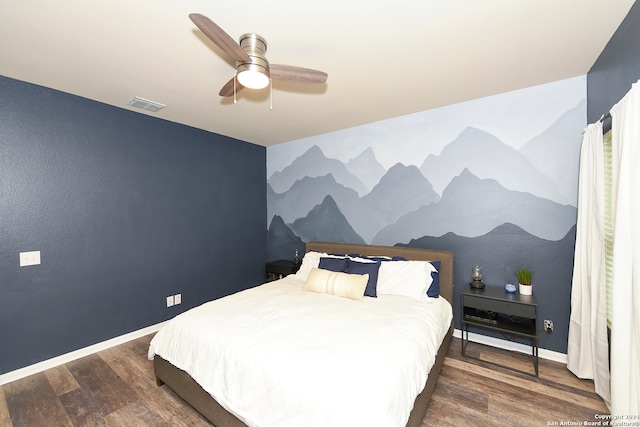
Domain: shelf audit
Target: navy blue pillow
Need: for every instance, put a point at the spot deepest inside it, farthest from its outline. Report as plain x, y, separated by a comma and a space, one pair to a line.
333, 264
370, 268
434, 289
378, 258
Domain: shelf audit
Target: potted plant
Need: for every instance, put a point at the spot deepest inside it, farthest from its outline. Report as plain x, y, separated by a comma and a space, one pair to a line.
524, 281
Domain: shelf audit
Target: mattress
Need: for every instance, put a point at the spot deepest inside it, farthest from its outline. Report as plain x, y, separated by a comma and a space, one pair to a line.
276, 355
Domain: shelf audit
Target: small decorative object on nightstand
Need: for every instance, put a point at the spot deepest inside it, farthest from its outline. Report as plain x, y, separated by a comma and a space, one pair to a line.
280, 268
476, 277
524, 281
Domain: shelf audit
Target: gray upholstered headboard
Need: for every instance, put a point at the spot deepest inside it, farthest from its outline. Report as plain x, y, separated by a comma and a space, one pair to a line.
445, 258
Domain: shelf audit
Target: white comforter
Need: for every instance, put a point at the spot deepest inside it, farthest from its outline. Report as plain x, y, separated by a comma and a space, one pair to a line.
276, 355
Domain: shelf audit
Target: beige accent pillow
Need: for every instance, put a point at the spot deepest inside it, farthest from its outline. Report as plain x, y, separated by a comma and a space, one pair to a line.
344, 285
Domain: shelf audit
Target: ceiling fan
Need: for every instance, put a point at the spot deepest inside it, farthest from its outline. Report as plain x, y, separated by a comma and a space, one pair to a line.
253, 71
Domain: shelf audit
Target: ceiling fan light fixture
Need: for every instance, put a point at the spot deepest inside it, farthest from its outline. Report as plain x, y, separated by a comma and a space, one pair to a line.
253, 76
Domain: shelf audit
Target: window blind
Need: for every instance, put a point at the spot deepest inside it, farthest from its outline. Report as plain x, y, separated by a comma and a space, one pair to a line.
608, 222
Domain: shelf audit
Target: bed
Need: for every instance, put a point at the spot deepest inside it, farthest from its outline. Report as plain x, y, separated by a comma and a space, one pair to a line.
285, 370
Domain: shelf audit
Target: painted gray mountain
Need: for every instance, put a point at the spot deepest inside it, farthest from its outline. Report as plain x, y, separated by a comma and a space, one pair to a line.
325, 222
488, 157
313, 163
367, 168
556, 151
282, 243
402, 189
471, 207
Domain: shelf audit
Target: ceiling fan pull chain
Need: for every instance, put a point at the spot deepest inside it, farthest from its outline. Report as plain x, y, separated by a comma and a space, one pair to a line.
271, 94
235, 79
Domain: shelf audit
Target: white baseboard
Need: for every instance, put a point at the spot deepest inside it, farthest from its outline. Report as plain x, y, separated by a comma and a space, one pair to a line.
77, 354
513, 346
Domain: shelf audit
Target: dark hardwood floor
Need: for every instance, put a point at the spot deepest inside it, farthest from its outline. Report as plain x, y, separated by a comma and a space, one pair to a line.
116, 387
474, 393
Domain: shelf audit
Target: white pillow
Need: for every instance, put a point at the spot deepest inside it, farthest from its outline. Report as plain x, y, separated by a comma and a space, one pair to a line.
310, 260
406, 278
344, 285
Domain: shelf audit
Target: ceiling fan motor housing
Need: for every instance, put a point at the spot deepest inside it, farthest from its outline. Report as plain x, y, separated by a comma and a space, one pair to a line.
255, 46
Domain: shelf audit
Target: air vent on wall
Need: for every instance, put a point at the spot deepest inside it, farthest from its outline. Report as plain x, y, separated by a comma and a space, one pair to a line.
146, 104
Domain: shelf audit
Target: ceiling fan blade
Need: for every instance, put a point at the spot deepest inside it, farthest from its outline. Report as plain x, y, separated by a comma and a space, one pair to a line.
219, 37
227, 89
296, 74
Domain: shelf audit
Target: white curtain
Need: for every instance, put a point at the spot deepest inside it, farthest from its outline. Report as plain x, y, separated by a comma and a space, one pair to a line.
587, 352
625, 315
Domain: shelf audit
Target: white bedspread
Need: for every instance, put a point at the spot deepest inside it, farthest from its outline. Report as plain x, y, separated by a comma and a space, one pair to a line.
278, 356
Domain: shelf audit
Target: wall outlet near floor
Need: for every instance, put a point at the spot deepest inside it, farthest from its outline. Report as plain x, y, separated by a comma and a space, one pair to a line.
174, 300
548, 325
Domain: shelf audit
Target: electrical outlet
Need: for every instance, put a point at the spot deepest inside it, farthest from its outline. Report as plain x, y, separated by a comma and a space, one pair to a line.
29, 258
177, 299
170, 301
548, 325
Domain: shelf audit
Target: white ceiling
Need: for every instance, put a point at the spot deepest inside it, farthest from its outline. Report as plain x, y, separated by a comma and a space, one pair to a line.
384, 58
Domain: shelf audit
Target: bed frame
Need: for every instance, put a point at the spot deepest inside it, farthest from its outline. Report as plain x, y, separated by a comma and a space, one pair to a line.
183, 385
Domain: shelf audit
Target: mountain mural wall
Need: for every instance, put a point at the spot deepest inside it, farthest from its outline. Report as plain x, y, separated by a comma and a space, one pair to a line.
481, 194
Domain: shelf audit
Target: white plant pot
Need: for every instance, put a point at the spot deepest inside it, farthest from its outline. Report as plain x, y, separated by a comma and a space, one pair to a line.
525, 289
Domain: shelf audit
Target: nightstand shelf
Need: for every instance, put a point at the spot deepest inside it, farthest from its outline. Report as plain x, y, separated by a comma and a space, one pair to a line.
495, 309
280, 268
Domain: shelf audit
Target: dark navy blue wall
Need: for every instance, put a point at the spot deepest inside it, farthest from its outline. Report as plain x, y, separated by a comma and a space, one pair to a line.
617, 68
126, 210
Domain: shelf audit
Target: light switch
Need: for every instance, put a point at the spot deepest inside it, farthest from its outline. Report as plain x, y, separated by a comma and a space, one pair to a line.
29, 258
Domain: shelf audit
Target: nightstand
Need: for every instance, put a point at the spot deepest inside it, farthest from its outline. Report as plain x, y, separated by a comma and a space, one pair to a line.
495, 309
280, 268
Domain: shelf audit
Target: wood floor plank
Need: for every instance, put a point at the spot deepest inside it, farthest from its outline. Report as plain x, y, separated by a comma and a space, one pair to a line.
514, 360
446, 412
96, 377
131, 366
33, 402
455, 391
130, 362
5, 417
177, 409
117, 387
84, 408
61, 380
559, 374
137, 414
